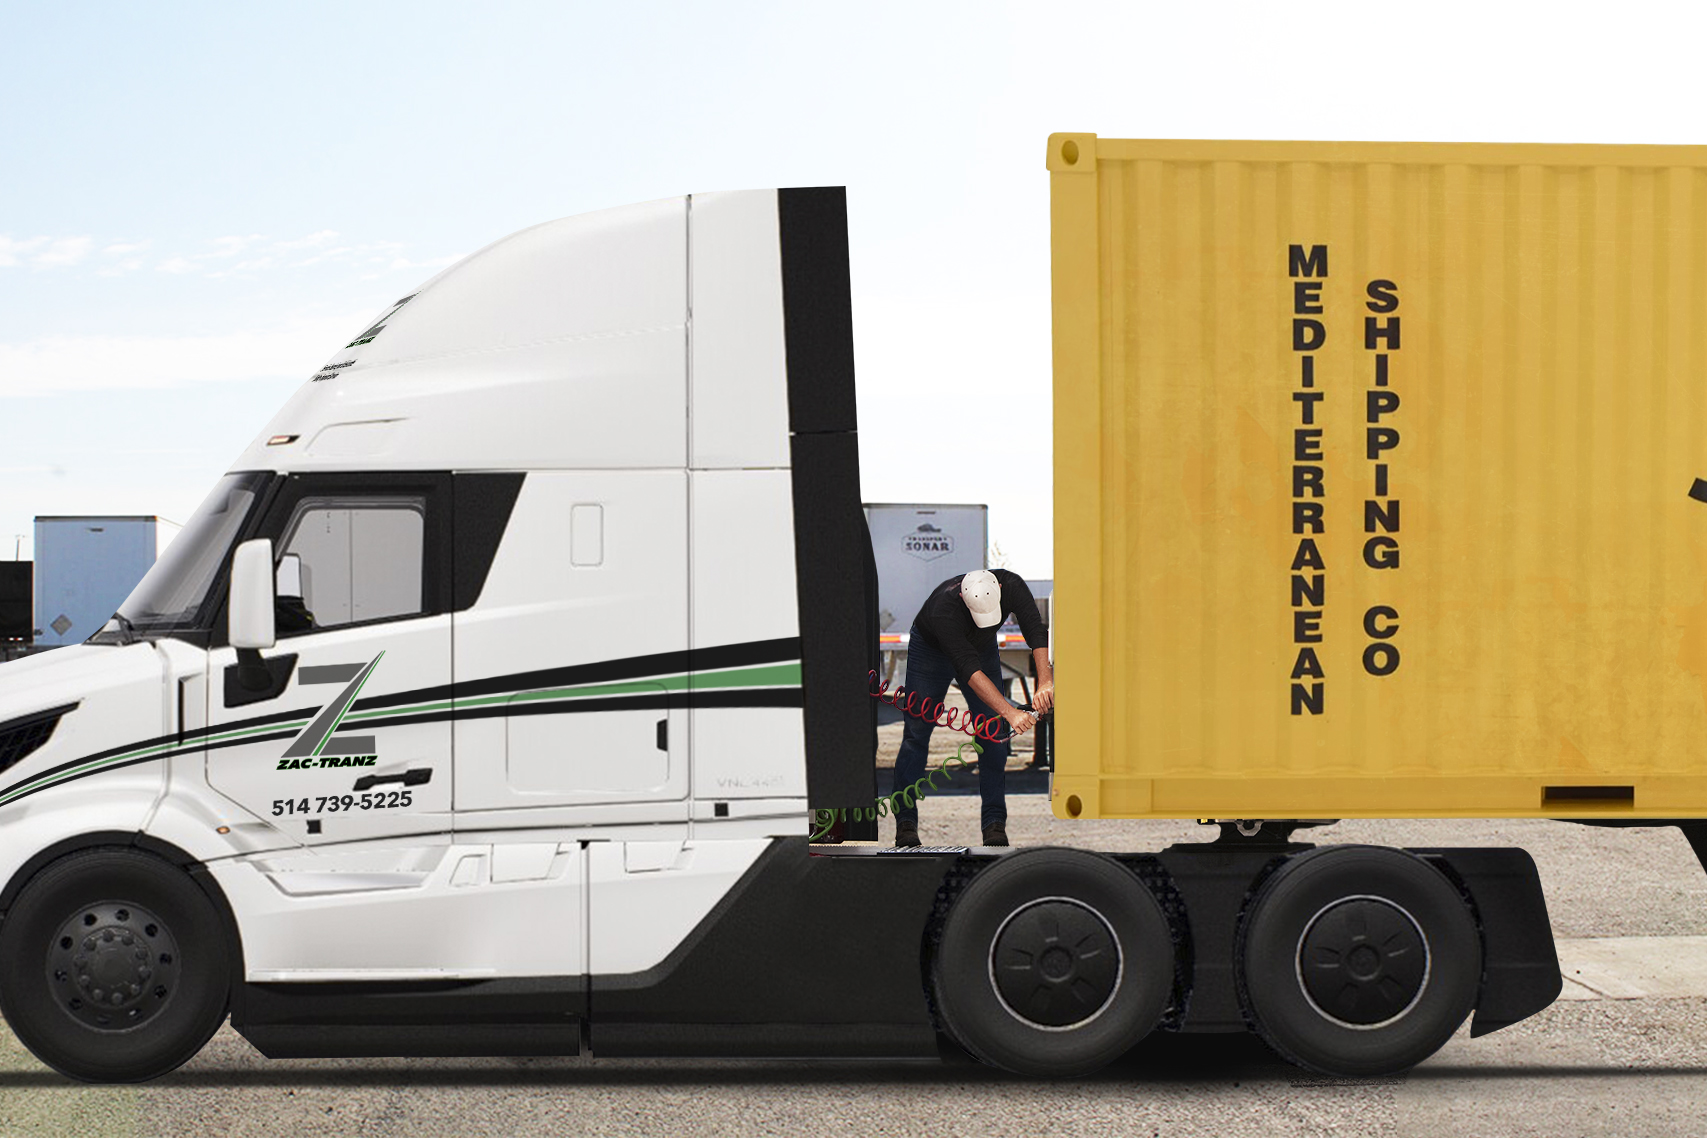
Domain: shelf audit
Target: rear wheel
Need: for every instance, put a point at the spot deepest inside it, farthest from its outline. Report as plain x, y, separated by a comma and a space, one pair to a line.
1053, 962
1359, 960
113, 966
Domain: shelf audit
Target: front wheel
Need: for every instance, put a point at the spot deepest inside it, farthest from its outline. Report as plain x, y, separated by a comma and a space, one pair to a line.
113, 966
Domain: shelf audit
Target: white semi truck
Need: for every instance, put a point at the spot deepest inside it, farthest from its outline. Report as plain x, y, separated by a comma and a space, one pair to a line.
481, 708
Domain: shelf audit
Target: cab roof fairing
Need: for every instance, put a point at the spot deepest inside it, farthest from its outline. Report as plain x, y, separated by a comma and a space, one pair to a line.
580, 343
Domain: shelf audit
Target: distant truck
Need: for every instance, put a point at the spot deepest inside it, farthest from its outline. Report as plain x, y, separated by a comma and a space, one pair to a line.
86, 567
17, 607
480, 708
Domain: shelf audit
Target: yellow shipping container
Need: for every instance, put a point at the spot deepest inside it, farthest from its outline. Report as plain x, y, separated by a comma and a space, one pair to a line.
1373, 477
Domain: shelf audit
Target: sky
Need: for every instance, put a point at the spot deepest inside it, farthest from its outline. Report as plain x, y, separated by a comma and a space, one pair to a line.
200, 202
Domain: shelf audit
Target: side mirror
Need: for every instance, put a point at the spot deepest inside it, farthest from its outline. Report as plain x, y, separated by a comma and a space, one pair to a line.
250, 611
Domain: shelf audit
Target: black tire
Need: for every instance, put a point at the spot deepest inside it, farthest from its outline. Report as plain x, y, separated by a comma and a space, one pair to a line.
113, 966
1358, 960
1099, 984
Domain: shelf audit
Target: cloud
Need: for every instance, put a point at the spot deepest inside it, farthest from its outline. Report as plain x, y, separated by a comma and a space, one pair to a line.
65, 251
318, 248
322, 247
14, 252
128, 265
236, 255
230, 246
96, 363
43, 252
405, 263
313, 240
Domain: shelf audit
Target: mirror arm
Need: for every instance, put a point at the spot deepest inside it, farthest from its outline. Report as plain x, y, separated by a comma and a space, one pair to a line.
252, 671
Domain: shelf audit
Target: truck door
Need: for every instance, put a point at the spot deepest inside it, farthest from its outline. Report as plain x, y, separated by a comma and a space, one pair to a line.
571, 668
350, 736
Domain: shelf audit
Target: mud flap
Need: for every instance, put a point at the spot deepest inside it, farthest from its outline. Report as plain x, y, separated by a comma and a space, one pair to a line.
1520, 969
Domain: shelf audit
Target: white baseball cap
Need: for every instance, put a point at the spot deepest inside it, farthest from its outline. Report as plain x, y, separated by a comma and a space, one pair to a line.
983, 595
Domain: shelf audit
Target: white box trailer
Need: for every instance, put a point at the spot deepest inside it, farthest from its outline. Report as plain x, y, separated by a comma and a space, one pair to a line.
86, 565
480, 708
917, 546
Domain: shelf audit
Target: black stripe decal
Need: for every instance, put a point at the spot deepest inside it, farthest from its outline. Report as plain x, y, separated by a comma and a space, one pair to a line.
603, 671
664, 663
193, 737
191, 750
247, 739
661, 701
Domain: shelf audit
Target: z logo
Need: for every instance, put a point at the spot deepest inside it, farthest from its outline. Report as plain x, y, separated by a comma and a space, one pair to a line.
315, 747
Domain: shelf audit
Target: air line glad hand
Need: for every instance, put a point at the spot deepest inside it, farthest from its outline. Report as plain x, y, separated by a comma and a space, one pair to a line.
1019, 721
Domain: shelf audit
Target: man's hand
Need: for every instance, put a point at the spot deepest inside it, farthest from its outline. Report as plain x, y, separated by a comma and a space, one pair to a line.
1019, 722
1043, 698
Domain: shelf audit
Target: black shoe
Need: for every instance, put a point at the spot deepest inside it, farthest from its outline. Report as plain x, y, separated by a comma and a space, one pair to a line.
906, 834
995, 836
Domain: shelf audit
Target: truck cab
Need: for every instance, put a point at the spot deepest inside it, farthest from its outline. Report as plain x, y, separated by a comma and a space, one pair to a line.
498, 629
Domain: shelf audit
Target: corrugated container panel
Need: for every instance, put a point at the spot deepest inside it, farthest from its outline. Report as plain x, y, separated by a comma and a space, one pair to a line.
1515, 624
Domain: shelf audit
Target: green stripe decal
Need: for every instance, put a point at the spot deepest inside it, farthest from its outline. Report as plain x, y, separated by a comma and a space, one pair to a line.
726, 679
97, 765
769, 675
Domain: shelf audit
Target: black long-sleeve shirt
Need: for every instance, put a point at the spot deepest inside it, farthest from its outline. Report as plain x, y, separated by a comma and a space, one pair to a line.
945, 623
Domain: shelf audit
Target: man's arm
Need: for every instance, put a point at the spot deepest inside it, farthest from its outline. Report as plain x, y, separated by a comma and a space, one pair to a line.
1017, 598
1043, 695
985, 689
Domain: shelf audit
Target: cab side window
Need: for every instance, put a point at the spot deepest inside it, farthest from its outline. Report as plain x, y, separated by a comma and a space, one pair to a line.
351, 561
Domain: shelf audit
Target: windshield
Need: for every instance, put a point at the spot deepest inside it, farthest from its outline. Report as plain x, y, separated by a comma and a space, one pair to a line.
176, 588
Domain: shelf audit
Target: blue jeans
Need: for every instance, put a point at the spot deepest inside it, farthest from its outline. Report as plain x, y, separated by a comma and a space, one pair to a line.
929, 673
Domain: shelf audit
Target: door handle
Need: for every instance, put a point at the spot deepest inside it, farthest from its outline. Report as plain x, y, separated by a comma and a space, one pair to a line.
420, 776
663, 734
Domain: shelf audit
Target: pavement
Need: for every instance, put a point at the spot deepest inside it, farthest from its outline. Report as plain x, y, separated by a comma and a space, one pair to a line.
1634, 968
1623, 1052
